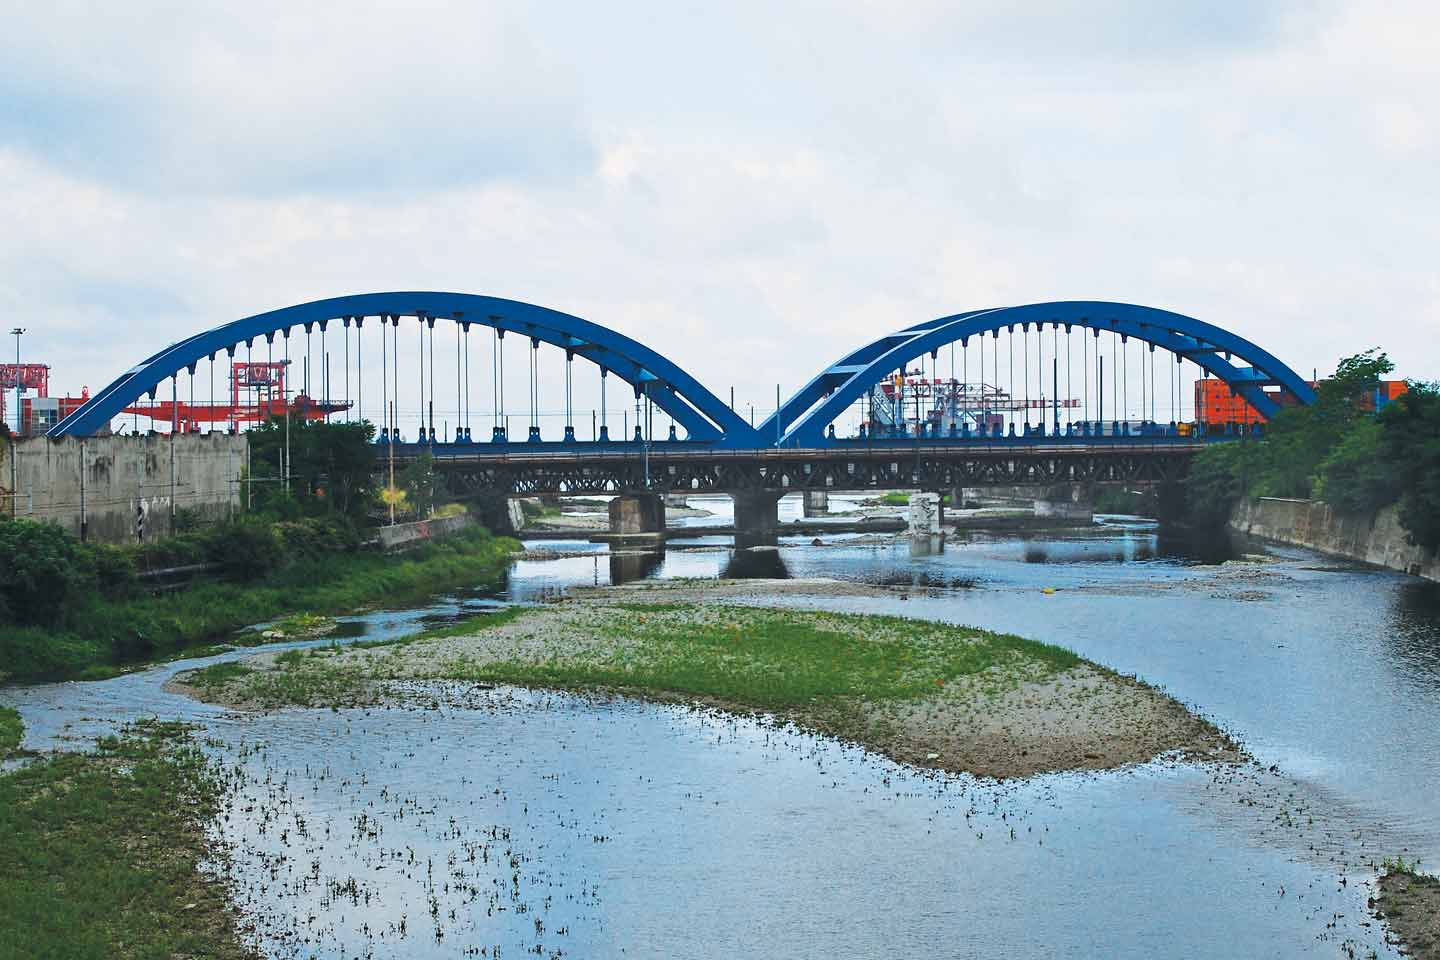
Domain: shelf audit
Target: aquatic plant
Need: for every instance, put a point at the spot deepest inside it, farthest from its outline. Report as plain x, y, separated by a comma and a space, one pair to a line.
102, 853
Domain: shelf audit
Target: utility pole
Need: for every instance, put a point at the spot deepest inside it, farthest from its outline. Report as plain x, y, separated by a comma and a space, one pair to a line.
174, 428
1055, 391
17, 333
285, 399
391, 445
646, 446
1100, 393
777, 414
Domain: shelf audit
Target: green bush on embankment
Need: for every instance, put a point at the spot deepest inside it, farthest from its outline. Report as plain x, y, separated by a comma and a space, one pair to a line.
73, 610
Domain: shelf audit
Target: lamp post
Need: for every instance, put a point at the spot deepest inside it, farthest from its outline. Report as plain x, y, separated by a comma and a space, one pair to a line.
19, 422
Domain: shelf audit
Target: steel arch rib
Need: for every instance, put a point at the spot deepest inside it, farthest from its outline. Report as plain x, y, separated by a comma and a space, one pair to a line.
703, 415
846, 381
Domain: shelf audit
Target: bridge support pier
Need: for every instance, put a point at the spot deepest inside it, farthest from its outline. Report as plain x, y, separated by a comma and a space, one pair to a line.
923, 523
1066, 501
757, 516
817, 503
638, 516
676, 500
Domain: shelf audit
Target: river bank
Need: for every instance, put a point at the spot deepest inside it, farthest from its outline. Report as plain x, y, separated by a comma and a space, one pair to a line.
1409, 903
949, 698
1376, 538
105, 636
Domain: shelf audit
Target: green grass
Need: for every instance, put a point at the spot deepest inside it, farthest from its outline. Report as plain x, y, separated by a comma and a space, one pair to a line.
103, 635
1400, 865
775, 659
218, 674
12, 731
894, 499
101, 851
763, 659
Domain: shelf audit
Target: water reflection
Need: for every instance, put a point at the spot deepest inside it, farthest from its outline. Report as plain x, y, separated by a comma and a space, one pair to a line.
629, 565
756, 563
926, 546
1412, 634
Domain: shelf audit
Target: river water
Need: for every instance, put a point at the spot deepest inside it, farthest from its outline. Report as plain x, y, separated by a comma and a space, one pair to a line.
510, 823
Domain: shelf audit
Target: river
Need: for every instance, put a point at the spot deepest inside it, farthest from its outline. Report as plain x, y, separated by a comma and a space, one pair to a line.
557, 825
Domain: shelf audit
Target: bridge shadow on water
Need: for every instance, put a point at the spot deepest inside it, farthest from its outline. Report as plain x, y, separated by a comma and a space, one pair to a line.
756, 563
744, 563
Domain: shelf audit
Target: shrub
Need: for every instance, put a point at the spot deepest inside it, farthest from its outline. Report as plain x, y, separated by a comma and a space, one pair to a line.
248, 549
40, 572
112, 567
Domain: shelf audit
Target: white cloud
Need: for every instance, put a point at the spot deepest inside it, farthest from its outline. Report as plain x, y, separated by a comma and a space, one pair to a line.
751, 192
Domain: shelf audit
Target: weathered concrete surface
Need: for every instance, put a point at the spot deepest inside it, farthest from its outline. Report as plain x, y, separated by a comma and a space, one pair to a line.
923, 518
757, 516
403, 535
817, 503
104, 487
637, 513
1081, 511
1377, 539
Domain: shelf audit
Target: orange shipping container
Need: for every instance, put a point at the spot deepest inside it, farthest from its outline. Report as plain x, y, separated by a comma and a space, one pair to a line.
1215, 402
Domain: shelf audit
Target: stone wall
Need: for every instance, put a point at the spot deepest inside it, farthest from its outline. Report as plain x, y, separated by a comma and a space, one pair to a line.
118, 489
1377, 539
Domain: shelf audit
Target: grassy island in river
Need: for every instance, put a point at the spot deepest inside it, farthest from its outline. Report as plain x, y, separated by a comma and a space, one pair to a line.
936, 695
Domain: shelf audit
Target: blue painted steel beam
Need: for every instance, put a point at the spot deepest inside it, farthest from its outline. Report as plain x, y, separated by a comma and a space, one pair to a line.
703, 415
853, 364
1201, 342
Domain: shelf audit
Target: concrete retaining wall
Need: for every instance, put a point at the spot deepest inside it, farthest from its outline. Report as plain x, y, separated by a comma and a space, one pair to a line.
117, 489
1377, 539
403, 535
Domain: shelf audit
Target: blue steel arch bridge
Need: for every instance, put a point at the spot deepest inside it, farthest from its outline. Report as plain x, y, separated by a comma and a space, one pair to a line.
1100, 397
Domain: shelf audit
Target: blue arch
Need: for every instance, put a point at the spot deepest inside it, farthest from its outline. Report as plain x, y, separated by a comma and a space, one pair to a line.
800, 422
700, 412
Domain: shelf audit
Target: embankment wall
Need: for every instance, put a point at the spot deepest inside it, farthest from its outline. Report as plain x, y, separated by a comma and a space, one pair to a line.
404, 535
118, 489
1377, 538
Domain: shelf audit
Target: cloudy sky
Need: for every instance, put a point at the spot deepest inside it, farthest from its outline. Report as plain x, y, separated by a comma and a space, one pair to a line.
751, 188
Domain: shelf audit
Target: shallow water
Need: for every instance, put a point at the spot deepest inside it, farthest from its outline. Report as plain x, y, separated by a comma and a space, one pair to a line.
630, 829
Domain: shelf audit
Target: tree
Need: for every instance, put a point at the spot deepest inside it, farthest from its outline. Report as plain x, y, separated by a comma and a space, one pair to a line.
1219, 477
1303, 446
42, 571
1302, 438
1410, 448
417, 483
332, 465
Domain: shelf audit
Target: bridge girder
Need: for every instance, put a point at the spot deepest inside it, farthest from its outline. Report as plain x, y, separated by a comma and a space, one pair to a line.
786, 471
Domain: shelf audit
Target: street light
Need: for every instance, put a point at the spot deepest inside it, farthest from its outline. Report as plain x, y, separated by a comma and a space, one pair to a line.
14, 450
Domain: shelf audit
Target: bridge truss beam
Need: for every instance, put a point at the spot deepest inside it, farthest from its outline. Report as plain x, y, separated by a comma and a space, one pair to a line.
785, 471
